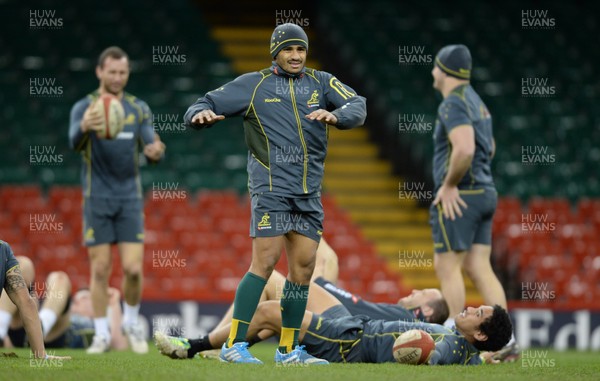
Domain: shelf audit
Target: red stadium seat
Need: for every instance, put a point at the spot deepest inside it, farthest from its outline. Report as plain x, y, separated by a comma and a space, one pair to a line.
587, 208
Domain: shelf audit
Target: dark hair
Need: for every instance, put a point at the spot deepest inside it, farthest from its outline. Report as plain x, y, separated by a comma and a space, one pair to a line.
112, 52
440, 311
498, 329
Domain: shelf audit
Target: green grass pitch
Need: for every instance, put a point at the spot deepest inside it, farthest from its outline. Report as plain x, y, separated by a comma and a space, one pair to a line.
130, 366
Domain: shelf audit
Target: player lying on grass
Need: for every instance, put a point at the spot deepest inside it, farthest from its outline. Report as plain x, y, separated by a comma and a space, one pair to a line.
12, 281
336, 336
424, 305
66, 321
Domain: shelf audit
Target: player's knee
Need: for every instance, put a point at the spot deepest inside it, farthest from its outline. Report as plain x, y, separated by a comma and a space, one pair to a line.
301, 274
101, 270
266, 312
440, 266
133, 272
477, 271
263, 268
60, 280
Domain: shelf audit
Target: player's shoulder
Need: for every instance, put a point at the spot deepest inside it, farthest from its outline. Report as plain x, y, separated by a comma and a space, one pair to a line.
319, 75
455, 101
86, 100
128, 97
457, 95
4, 246
253, 77
247, 80
7, 256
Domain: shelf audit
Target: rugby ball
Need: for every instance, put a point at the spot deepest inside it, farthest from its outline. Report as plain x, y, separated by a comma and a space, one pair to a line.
413, 347
113, 116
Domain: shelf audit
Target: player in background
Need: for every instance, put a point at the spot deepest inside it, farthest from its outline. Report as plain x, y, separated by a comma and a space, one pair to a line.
465, 195
67, 322
11, 280
113, 202
287, 110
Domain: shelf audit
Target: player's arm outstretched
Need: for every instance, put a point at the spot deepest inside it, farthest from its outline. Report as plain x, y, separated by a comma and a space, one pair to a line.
17, 291
345, 109
231, 99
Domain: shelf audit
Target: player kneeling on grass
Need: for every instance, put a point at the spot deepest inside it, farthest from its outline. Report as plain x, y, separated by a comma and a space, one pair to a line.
337, 336
12, 281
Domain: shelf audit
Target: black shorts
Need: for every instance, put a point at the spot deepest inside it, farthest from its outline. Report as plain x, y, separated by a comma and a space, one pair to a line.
115, 220
273, 216
475, 226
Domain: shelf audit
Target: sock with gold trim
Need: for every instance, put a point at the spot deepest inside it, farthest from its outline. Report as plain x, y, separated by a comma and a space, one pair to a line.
293, 306
246, 300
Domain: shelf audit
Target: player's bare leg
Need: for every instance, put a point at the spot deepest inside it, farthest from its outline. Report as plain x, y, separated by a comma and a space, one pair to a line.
132, 257
101, 268
56, 294
479, 268
326, 265
448, 267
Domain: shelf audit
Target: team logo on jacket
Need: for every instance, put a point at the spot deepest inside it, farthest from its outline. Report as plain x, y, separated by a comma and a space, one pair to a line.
314, 99
130, 119
265, 222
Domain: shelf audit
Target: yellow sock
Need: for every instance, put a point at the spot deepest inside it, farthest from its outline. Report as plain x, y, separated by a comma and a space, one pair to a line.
288, 336
233, 331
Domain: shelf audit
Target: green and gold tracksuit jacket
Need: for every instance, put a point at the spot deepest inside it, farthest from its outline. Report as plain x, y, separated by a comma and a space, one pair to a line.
286, 150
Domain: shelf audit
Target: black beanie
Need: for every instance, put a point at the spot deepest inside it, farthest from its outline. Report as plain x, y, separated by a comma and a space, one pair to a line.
455, 60
286, 35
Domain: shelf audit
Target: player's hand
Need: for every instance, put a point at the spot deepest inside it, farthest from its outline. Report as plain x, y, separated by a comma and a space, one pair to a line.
206, 117
488, 358
46, 356
322, 116
92, 119
451, 201
154, 151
